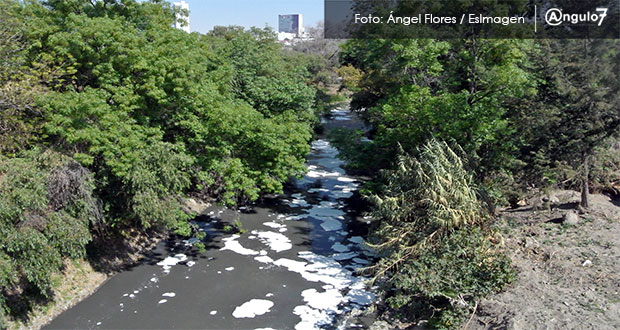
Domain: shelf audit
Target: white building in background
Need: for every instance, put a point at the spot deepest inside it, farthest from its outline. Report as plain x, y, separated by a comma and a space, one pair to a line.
182, 22
291, 28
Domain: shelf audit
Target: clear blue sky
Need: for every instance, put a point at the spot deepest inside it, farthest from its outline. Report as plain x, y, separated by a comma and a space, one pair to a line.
205, 14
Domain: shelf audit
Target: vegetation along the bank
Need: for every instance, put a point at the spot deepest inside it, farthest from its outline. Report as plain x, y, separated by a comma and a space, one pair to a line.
109, 116
459, 127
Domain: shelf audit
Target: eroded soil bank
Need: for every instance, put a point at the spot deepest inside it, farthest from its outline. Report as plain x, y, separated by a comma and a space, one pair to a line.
568, 275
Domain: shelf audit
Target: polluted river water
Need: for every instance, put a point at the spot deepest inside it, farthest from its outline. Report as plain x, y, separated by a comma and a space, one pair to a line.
293, 267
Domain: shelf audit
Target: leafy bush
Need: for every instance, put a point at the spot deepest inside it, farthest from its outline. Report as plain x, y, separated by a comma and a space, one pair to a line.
46, 209
438, 255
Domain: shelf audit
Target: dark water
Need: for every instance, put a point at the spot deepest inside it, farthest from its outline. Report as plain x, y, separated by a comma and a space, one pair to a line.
293, 268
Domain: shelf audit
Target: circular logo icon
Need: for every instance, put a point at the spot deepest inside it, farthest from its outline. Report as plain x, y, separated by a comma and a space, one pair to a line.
553, 16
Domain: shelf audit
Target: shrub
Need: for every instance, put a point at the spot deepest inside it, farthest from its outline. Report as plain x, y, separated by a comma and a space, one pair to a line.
438, 255
46, 208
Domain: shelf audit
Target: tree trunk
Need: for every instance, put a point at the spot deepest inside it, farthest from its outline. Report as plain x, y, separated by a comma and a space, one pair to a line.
584, 181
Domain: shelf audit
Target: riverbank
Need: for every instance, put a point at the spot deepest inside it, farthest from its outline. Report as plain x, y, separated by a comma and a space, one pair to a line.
568, 274
567, 270
80, 278
77, 281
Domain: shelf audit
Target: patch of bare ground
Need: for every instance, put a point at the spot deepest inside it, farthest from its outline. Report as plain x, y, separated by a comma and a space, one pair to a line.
568, 275
77, 281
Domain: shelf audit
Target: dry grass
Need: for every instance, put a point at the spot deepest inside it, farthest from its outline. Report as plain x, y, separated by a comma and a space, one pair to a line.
77, 281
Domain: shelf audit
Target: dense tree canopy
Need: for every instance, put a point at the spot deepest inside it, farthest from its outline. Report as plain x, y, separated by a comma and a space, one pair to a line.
457, 90
144, 113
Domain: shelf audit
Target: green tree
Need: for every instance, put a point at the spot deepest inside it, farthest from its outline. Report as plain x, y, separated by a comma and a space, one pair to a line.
588, 92
575, 112
460, 90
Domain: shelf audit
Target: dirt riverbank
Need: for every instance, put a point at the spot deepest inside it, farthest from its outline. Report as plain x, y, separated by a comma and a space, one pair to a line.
568, 275
81, 278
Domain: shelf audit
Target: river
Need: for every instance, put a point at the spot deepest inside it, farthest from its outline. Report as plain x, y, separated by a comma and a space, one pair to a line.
292, 268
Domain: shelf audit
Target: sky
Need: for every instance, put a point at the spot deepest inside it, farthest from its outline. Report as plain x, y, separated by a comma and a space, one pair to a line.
205, 14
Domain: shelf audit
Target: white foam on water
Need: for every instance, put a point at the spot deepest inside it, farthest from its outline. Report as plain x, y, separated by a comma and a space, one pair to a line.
228, 269
274, 225
230, 243
322, 300
276, 241
190, 263
191, 241
340, 194
169, 294
291, 265
317, 173
345, 179
338, 247
252, 308
171, 261
359, 295
331, 225
163, 301
344, 256
313, 190
325, 210
213, 312
323, 306
356, 240
327, 204
299, 202
295, 217
311, 318
319, 269
264, 259
154, 279
269, 295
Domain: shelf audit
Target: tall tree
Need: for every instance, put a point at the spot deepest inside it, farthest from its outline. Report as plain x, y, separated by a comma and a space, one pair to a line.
587, 92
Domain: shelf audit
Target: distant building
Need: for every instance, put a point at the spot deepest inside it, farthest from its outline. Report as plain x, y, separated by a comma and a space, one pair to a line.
182, 20
293, 24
